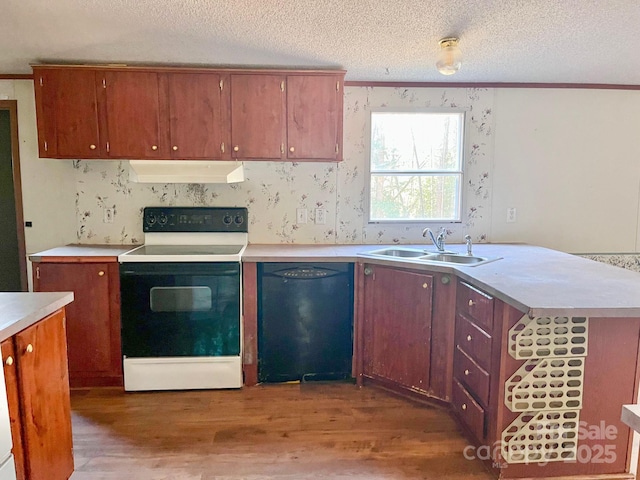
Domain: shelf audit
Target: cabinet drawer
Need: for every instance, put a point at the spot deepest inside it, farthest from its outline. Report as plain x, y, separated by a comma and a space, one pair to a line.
475, 305
474, 378
471, 414
474, 341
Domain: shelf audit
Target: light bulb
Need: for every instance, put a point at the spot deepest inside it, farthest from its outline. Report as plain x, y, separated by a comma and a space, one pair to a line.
450, 57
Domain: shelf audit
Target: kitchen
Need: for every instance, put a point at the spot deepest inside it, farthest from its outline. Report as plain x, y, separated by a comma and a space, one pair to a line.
553, 134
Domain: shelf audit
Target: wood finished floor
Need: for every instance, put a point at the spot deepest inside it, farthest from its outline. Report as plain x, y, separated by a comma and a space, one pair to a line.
308, 431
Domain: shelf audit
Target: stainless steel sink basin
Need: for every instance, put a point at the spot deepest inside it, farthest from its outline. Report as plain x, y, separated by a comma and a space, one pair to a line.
398, 252
414, 255
461, 259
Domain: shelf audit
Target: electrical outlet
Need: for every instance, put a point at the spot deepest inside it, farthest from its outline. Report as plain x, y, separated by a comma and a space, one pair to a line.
301, 215
511, 215
107, 215
321, 216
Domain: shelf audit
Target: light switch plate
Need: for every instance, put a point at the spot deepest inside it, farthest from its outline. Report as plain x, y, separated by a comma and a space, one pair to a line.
301, 215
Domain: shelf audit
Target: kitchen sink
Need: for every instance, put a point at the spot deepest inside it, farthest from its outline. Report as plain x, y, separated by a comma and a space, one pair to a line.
462, 259
435, 257
399, 252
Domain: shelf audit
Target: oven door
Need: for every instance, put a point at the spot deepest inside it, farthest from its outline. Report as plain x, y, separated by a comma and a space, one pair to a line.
180, 309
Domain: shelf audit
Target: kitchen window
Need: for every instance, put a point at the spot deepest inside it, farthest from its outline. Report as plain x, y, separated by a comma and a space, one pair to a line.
416, 166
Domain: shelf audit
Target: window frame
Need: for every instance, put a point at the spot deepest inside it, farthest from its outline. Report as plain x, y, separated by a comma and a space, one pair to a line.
463, 151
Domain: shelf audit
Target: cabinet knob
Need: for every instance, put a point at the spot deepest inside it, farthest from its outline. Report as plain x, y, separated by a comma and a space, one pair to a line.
9, 361
101, 273
425, 285
466, 373
174, 148
368, 271
291, 149
92, 147
464, 406
468, 338
471, 303
236, 148
29, 348
154, 147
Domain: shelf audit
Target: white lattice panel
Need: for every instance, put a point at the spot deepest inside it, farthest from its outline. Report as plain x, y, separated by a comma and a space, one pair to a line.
546, 384
549, 436
542, 337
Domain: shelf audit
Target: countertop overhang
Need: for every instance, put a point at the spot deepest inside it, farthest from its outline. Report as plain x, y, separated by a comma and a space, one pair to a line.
20, 310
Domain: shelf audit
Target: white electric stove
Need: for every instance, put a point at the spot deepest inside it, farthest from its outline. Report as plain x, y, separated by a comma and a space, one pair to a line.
181, 300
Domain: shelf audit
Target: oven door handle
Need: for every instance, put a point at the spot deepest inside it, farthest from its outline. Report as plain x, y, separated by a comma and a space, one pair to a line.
230, 272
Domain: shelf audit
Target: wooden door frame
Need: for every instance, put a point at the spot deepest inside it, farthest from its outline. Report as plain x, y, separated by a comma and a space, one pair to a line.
12, 107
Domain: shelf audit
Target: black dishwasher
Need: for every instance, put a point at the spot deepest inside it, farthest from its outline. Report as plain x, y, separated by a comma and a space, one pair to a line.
305, 321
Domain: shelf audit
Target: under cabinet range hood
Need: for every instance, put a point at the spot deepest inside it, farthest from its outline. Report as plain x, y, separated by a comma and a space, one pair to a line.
185, 171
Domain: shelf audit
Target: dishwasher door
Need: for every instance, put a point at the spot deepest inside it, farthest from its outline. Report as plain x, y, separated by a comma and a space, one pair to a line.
305, 321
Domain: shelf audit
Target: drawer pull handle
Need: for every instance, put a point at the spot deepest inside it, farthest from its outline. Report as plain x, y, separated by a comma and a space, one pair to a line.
464, 406
29, 348
9, 361
466, 373
101, 273
469, 338
471, 303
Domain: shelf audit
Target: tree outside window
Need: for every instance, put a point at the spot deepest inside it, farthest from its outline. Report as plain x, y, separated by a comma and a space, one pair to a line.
416, 166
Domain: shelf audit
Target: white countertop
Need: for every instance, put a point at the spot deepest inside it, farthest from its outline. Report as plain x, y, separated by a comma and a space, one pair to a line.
20, 310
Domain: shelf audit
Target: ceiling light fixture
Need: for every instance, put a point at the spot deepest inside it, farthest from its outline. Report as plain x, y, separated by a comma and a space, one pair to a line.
450, 57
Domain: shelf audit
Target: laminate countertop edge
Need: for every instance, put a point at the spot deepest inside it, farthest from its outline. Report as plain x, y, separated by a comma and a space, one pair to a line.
20, 310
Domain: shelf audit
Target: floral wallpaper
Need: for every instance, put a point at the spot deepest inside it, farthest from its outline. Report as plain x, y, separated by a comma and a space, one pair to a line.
630, 261
272, 191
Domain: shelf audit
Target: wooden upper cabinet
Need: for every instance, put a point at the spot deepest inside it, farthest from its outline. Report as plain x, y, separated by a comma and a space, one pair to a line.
132, 107
257, 116
199, 115
140, 113
314, 117
67, 113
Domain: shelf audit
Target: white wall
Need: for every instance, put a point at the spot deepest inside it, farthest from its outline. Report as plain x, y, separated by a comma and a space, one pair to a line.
568, 160
48, 186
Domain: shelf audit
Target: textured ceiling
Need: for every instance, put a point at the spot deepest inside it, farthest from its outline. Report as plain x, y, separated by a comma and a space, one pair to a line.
576, 41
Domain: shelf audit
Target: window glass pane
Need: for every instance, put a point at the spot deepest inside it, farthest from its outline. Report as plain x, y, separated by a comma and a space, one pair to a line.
415, 197
416, 141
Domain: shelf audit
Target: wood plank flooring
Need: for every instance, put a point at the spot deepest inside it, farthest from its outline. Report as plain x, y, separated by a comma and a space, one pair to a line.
307, 431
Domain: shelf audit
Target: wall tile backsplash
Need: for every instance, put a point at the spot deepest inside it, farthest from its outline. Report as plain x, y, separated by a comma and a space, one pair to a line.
272, 191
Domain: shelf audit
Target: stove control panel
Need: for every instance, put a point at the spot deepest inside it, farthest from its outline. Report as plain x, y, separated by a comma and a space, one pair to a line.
195, 219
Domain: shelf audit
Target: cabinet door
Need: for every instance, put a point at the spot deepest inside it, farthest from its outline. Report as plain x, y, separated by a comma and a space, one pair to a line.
41, 353
258, 120
314, 116
397, 326
199, 116
13, 398
133, 106
93, 326
67, 113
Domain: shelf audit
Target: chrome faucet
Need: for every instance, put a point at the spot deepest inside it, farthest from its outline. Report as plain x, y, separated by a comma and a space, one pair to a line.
439, 241
467, 238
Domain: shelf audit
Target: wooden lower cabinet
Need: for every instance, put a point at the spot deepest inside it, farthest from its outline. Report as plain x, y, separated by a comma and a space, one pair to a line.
93, 319
37, 384
396, 327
